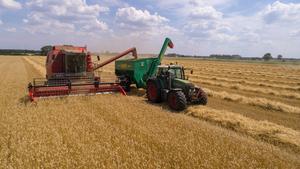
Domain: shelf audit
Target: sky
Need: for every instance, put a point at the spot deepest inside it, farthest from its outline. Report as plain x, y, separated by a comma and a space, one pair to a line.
250, 28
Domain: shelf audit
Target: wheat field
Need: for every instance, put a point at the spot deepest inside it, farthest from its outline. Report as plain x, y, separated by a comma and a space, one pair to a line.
251, 121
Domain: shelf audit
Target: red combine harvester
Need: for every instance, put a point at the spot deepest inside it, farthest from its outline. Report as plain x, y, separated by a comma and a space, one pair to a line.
70, 71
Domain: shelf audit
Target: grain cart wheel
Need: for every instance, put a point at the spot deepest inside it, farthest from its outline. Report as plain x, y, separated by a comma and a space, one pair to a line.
125, 83
177, 100
202, 97
153, 91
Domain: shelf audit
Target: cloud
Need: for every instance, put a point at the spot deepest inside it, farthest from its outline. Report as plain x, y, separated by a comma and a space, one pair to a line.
133, 16
207, 12
10, 4
52, 16
182, 3
278, 11
142, 22
208, 2
11, 29
206, 23
1, 22
295, 33
115, 3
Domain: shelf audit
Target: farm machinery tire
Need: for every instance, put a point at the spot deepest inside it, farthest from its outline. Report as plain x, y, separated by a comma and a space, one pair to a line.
126, 86
202, 97
153, 91
177, 100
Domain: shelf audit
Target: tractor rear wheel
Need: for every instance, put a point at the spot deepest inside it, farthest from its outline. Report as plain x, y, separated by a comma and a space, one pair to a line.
177, 100
202, 97
153, 91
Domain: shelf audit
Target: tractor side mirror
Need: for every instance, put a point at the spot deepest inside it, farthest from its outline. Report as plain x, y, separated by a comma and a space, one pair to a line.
98, 57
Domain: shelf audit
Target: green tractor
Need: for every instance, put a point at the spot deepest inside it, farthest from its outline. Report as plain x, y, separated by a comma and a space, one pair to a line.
172, 85
162, 82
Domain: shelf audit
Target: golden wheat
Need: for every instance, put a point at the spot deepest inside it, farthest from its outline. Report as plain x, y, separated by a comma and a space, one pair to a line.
255, 73
37, 66
285, 87
285, 94
111, 131
249, 78
261, 102
259, 129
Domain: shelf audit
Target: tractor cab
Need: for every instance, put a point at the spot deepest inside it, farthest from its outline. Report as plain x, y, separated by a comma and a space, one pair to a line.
172, 85
174, 71
173, 76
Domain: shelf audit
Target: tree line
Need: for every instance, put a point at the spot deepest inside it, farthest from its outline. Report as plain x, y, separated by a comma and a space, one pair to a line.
266, 57
19, 52
43, 51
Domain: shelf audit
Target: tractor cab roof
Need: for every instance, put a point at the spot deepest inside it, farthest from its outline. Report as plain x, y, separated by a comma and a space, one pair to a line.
170, 66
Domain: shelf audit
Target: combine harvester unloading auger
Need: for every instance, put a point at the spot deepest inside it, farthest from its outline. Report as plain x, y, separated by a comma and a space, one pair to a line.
70, 71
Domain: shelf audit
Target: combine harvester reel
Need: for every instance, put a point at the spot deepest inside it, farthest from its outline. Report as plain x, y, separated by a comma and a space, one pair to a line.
70, 71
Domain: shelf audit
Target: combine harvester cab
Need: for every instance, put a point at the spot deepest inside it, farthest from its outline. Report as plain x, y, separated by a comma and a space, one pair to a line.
70, 71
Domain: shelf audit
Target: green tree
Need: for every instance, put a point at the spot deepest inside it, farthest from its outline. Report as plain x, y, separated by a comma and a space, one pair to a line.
45, 50
267, 56
279, 57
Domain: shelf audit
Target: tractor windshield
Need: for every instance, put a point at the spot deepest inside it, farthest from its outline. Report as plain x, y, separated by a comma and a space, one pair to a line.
176, 72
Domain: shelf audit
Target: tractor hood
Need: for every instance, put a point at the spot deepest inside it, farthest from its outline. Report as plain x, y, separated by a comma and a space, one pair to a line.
180, 83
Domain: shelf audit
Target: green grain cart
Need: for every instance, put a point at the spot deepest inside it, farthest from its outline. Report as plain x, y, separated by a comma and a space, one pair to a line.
162, 82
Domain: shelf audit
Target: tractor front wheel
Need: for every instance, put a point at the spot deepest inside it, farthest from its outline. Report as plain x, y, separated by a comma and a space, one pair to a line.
202, 97
177, 100
153, 92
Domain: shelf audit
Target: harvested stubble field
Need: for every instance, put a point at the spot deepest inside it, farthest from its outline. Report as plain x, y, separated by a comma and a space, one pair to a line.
239, 128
